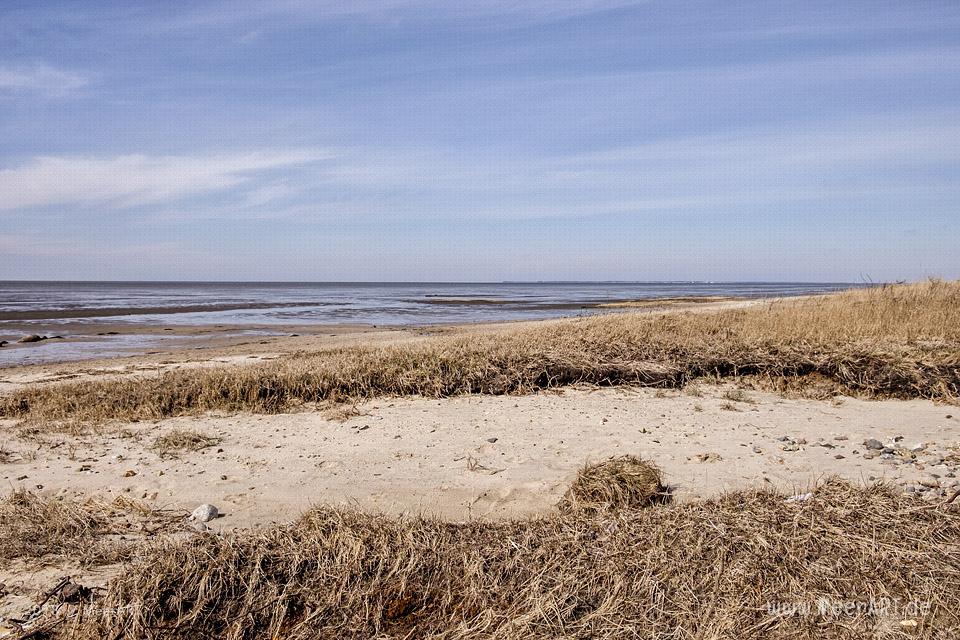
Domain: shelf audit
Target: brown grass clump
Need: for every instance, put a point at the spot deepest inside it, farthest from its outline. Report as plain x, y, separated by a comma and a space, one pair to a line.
624, 482
87, 532
898, 341
182, 440
745, 565
33, 527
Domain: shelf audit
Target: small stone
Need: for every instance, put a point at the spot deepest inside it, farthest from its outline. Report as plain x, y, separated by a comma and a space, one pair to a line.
491, 440
801, 441
873, 444
887, 450
839, 457
790, 447
757, 449
841, 438
918, 447
783, 439
930, 483
223, 477
129, 473
30, 338
204, 513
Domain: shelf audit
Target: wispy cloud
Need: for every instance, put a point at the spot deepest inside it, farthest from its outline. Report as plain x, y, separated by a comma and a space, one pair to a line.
825, 165
42, 79
137, 180
530, 11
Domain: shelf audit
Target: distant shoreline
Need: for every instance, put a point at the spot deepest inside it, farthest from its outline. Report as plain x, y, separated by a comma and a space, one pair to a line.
89, 341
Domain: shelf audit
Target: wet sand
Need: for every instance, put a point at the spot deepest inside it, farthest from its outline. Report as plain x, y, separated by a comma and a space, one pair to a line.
92, 340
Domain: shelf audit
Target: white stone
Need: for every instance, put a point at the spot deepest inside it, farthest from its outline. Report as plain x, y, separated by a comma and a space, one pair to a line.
204, 513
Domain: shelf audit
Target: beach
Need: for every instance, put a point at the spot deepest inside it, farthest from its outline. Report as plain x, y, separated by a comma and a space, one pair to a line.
484, 422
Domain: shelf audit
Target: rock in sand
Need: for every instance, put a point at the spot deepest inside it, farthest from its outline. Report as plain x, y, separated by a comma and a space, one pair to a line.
205, 513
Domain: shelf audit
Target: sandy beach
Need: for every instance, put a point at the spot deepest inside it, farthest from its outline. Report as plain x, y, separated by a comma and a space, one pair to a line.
492, 457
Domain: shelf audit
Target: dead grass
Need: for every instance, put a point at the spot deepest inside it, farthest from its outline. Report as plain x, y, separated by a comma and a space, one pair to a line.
180, 441
89, 532
896, 341
624, 482
738, 395
713, 569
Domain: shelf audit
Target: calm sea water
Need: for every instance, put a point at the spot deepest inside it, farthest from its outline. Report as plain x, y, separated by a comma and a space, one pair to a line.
65, 308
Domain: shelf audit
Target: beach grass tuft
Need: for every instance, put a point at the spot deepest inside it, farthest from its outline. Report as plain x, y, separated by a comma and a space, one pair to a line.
622, 482
180, 441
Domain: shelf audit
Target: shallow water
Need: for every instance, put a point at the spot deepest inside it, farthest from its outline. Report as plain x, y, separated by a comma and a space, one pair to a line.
65, 308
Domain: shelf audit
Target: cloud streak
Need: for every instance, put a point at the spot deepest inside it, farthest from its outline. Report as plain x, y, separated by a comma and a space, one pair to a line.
136, 180
528, 12
42, 79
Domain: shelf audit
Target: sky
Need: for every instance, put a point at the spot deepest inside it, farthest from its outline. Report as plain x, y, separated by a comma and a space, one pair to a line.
482, 141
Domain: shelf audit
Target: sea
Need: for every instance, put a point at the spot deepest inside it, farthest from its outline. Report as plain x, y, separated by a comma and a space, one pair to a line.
74, 310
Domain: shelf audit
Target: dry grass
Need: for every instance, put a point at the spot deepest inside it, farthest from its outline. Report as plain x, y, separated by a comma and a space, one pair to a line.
706, 570
738, 395
89, 532
624, 482
899, 341
634, 568
179, 441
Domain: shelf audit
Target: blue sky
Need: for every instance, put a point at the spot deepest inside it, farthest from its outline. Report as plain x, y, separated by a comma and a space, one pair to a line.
490, 140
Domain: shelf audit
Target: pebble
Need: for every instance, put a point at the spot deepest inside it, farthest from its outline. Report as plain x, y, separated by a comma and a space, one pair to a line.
839, 457
204, 513
930, 483
873, 444
129, 473
491, 440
